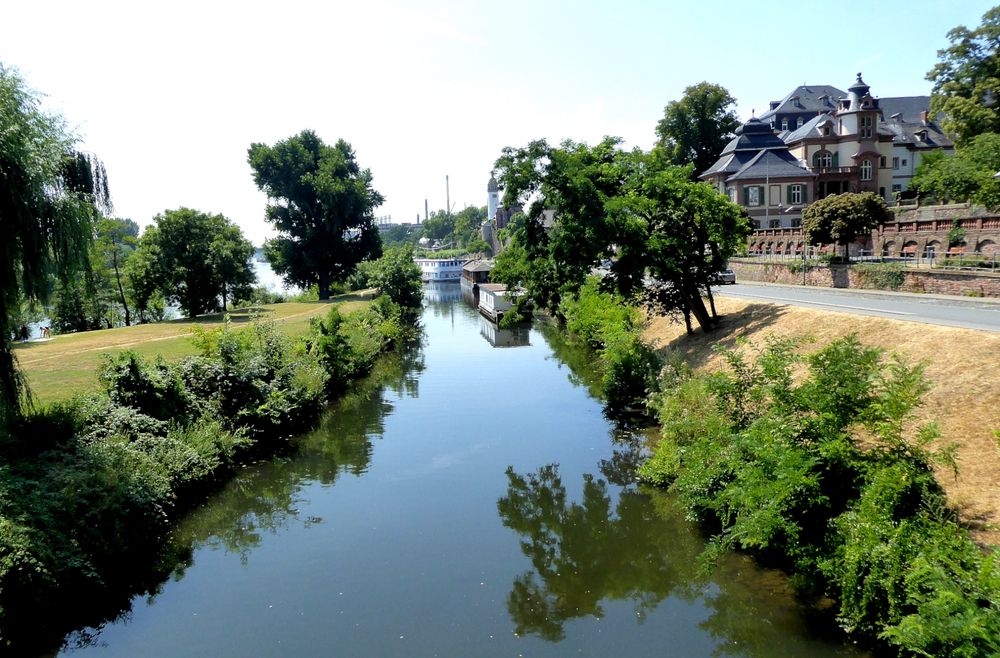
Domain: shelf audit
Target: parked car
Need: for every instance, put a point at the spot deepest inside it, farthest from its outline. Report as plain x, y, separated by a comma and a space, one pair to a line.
724, 277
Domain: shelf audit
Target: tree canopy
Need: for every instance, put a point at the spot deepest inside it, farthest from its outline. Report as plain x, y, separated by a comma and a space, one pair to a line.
695, 128
967, 176
50, 195
841, 218
663, 235
967, 79
193, 259
322, 204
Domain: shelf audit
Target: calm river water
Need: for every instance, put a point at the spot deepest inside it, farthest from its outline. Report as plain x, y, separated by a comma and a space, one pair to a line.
469, 500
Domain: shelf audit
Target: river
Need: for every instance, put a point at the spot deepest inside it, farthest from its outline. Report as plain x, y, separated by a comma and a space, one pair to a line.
468, 500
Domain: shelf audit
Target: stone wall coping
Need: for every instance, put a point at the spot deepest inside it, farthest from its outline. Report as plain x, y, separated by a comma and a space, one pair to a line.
994, 301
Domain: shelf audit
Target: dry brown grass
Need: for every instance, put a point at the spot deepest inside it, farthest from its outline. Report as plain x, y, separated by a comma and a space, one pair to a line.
962, 367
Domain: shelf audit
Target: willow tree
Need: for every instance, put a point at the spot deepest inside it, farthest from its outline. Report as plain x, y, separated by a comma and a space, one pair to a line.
50, 195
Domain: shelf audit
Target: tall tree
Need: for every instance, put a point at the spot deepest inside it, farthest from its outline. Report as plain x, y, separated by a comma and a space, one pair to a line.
967, 79
695, 129
968, 176
49, 196
322, 204
842, 218
635, 209
116, 240
193, 259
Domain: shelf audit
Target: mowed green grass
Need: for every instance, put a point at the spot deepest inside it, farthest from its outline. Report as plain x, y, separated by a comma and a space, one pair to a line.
67, 365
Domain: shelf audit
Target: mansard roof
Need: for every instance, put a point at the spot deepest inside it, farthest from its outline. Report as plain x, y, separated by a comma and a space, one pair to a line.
810, 129
772, 165
806, 98
753, 136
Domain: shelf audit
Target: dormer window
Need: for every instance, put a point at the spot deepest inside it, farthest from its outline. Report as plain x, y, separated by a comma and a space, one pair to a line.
784, 123
798, 122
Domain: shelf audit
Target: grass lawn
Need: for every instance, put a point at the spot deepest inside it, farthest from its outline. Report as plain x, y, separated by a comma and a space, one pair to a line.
67, 365
964, 395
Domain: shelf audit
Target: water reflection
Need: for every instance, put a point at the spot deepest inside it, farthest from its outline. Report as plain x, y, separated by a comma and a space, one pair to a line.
497, 336
635, 545
265, 499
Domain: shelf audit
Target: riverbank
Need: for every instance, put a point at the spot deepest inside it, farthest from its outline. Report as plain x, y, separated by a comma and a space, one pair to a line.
964, 395
67, 365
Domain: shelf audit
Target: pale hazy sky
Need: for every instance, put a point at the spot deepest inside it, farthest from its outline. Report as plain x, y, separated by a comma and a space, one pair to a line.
170, 95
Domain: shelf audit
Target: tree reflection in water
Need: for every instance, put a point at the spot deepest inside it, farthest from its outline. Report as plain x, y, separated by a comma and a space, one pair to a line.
640, 548
263, 499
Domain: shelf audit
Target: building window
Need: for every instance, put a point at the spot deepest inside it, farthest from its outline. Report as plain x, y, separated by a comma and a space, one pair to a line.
897, 188
866, 170
798, 123
881, 162
775, 223
822, 160
866, 127
796, 194
796, 222
895, 163
784, 123
753, 196
774, 195
731, 193
904, 162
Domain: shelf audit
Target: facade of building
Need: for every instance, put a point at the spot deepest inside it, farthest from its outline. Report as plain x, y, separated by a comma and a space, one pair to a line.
819, 141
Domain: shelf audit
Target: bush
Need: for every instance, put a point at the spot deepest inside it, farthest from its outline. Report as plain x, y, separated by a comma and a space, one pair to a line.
828, 479
880, 276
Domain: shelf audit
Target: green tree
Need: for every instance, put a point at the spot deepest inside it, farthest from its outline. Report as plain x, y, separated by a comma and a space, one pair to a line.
968, 176
49, 197
635, 209
193, 259
116, 240
967, 79
695, 129
841, 218
396, 275
322, 204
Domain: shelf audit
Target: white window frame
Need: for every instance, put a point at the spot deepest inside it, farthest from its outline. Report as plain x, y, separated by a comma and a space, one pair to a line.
753, 196
865, 170
796, 194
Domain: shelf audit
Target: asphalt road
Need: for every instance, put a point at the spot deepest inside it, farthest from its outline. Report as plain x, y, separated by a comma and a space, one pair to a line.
970, 313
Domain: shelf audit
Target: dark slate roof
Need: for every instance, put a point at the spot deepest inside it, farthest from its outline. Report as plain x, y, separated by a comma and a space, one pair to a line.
773, 165
807, 98
811, 128
916, 134
753, 135
909, 107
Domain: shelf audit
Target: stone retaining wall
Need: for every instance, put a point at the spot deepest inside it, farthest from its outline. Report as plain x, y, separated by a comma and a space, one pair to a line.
941, 282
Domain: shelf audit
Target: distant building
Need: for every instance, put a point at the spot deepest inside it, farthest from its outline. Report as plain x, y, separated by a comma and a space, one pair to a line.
818, 141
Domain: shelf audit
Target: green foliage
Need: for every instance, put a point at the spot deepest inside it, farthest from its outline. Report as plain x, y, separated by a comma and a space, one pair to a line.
154, 389
613, 328
398, 277
51, 196
632, 208
967, 176
841, 218
967, 79
695, 129
322, 205
828, 478
193, 259
880, 276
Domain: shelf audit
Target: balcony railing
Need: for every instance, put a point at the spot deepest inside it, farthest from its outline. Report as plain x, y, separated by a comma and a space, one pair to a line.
834, 170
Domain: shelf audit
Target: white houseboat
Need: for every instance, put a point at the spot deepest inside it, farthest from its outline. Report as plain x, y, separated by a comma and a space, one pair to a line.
440, 269
493, 302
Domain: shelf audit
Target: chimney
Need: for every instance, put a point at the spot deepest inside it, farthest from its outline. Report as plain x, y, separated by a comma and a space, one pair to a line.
923, 117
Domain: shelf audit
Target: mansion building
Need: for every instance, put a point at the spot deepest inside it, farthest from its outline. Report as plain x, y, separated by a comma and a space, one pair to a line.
819, 141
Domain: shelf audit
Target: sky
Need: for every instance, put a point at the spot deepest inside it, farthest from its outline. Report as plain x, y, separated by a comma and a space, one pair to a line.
170, 95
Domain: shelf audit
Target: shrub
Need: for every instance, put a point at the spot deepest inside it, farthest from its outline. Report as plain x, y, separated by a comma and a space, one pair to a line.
880, 276
154, 389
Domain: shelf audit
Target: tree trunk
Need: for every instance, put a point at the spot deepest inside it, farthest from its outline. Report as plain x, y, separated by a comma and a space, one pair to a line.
224, 304
711, 302
121, 291
697, 306
324, 287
